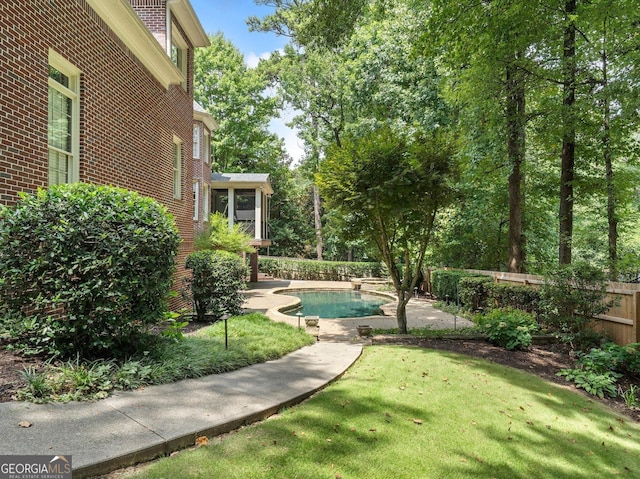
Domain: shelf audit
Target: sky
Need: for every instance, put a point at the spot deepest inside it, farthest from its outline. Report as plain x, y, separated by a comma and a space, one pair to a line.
229, 17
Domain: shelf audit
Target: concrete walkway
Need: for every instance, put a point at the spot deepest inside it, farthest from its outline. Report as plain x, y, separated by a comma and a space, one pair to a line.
137, 426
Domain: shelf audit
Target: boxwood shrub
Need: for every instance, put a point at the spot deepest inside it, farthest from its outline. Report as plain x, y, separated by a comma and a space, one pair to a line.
85, 268
216, 282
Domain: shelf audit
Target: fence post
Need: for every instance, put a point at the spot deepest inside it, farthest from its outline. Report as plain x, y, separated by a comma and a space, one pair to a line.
636, 317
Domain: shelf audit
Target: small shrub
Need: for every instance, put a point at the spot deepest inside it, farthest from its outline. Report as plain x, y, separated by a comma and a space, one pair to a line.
86, 268
572, 297
216, 283
474, 292
509, 328
218, 236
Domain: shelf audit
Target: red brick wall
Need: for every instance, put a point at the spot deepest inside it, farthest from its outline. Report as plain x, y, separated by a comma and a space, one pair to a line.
127, 119
153, 15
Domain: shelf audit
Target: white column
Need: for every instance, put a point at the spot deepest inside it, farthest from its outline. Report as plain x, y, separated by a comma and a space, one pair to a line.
258, 215
231, 207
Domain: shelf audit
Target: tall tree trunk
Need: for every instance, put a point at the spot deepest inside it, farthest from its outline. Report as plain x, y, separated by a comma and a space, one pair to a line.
516, 123
568, 134
607, 154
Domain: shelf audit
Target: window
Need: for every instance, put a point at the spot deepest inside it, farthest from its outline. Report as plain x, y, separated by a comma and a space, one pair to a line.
196, 200
177, 168
178, 52
196, 142
206, 146
206, 201
63, 120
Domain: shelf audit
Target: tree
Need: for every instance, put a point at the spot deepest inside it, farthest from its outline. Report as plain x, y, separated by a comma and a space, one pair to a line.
388, 189
236, 96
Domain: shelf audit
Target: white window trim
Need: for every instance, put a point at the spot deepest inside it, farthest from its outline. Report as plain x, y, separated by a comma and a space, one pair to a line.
177, 168
61, 64
196, 200
206, 138
196, 142
206, 198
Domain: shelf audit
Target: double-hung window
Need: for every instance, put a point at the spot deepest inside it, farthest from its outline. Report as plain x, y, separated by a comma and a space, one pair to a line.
179, 53
196, 142
177, 168
63, 120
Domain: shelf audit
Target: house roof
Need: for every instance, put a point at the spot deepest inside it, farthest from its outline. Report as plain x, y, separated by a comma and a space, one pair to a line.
200, 114
242, 180
189, 22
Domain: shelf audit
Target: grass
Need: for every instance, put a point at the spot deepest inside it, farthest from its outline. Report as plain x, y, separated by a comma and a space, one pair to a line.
407, 412
252, 339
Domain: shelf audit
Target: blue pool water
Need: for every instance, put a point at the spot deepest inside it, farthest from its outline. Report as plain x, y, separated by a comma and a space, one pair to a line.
337, 304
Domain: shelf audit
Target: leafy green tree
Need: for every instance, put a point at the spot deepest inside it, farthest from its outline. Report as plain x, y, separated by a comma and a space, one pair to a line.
235, 95
389, 189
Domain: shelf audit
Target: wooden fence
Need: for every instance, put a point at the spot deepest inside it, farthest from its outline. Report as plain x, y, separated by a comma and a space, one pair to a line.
620, 323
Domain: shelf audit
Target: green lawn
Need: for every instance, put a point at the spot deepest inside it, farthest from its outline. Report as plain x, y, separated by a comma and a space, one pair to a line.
403, 412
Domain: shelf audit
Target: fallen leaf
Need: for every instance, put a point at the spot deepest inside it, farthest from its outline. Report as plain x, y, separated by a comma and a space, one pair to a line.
202, 441
463, 460
529, 423
25, 424
372, 430
473, 422
417, 421
328, 439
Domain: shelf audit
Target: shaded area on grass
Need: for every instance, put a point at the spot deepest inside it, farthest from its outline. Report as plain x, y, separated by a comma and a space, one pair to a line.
408, 412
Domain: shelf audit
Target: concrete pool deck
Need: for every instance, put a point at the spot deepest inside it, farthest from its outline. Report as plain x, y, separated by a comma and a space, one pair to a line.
270, 296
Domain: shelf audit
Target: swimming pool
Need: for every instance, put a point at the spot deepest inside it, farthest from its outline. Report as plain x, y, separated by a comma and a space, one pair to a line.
336, 304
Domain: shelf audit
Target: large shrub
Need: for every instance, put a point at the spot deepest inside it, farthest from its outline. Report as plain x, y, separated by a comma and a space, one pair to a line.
216, 283
85, 268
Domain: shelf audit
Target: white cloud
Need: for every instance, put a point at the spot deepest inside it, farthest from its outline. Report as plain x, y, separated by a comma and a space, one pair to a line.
252, 60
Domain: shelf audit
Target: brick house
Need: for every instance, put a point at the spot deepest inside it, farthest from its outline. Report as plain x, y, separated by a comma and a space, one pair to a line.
100, 92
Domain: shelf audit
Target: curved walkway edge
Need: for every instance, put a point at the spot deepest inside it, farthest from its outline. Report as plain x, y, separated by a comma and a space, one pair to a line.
137, 426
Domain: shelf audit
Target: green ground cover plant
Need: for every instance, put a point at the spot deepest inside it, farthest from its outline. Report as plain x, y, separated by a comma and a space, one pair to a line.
253, 338
406, 412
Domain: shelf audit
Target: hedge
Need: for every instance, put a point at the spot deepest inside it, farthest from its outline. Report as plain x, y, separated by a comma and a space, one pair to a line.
312, 270
446, 284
